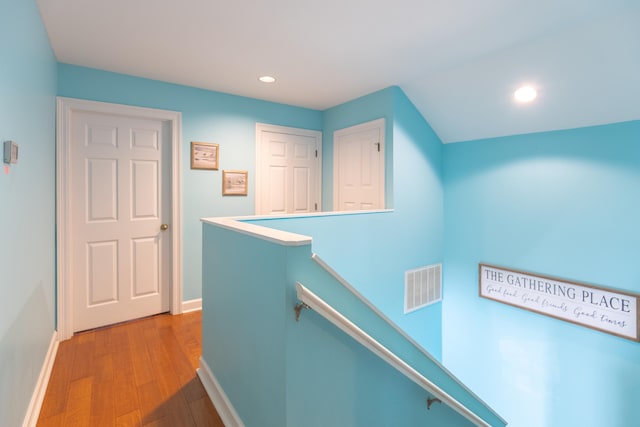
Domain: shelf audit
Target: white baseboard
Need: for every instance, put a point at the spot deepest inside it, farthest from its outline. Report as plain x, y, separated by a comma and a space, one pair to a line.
33, 411
219, 399
192, 305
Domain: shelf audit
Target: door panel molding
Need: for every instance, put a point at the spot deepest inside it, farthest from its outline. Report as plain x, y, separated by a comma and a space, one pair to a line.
65, 108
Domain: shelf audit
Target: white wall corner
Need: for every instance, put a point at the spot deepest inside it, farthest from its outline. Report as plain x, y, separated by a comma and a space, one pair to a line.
228, 414
192, 305
33, 411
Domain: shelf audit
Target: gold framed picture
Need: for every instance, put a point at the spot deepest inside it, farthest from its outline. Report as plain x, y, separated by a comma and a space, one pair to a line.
235, 183
204, 155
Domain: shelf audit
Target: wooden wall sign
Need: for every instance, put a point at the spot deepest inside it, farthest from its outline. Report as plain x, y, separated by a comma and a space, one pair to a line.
606, 310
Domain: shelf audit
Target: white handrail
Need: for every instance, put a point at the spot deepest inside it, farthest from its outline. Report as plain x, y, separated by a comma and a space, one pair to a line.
380, 314
332, 315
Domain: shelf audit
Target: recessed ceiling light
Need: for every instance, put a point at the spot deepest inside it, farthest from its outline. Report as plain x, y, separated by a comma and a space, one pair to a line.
267, 79
525, 94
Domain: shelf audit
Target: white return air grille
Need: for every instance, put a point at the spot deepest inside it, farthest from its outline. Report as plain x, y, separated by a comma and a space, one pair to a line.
422, 286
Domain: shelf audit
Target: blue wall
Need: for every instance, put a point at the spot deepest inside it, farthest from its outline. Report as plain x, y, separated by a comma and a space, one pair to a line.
206, 116
564, 204
374, 106
372, 251
27, 247
243, 317
313, 373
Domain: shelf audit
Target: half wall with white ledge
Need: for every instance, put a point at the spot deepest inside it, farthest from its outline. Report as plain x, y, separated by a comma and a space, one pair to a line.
267, 361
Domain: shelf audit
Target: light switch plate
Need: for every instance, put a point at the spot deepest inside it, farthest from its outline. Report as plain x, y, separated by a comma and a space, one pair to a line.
10, 152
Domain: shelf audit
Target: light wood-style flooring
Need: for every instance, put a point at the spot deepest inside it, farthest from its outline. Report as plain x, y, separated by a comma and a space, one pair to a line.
140, 373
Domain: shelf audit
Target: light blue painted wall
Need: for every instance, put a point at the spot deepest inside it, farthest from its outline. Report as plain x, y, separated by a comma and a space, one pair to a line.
374, 106
206, 116
312, 373
418, 229
563, 204
27, 115
372, 251
243, 317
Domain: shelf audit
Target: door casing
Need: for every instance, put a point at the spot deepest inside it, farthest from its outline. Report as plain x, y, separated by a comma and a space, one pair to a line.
65, 108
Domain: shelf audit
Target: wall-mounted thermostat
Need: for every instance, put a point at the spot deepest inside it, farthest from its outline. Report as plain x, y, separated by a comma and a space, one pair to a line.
10, 152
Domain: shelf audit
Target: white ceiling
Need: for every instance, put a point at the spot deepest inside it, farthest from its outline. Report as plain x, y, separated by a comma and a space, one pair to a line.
459, 61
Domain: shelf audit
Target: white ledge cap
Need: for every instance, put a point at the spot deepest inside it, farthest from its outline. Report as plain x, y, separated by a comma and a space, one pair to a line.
271, 234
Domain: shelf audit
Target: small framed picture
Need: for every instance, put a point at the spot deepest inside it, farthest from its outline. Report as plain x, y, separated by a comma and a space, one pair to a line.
235, 183
204, 155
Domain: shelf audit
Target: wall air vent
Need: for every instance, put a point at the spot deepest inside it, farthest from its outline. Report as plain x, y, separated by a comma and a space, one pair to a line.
422, 286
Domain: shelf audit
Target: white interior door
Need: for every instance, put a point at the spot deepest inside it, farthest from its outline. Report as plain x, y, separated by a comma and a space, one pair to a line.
359, 167
287, 170
120, 199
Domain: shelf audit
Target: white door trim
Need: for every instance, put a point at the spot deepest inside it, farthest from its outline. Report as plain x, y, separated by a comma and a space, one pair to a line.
65, 107
260, 127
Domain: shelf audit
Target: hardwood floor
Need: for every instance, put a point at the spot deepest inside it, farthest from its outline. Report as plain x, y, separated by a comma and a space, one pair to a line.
141, 373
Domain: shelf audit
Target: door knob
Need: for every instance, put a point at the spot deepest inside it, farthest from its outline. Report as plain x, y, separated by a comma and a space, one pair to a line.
164, 227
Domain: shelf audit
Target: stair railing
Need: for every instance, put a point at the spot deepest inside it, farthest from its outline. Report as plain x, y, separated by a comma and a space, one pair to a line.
310, 300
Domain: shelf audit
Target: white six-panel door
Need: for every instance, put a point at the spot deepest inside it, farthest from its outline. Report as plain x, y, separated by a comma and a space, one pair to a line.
287, 170
359, 167
120, 252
